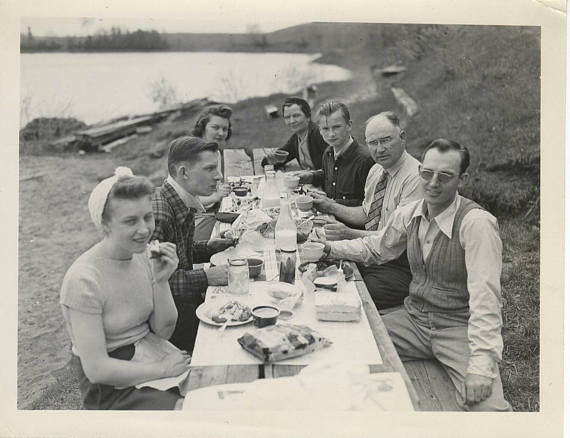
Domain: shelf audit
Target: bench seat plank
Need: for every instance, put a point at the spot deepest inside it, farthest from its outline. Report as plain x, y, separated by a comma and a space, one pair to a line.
433, 386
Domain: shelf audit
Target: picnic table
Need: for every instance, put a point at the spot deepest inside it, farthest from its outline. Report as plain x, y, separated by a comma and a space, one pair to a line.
235, 372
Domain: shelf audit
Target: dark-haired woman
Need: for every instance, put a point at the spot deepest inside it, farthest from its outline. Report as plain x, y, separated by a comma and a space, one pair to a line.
117, 303
213, 124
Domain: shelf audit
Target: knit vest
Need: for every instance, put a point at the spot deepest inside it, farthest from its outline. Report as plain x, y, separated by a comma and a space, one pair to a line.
440, 283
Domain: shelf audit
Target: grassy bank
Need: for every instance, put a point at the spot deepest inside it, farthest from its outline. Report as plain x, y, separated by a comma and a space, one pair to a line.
478, 86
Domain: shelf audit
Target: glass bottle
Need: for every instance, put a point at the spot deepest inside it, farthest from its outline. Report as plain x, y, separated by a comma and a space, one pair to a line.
270, 197
238, 277
286, 242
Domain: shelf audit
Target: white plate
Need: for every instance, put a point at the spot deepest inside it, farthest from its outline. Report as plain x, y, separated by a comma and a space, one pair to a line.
221, 258
204, 311
241, 251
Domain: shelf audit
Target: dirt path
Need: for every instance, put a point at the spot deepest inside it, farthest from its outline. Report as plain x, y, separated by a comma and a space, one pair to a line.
54, 228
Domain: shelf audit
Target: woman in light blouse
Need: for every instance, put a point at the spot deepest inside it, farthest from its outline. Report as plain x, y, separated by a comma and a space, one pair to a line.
117, 303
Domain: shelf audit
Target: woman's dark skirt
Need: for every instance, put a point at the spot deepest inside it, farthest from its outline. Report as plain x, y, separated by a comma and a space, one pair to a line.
102, 397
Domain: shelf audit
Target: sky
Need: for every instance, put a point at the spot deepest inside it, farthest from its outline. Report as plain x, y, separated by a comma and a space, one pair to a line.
47, 26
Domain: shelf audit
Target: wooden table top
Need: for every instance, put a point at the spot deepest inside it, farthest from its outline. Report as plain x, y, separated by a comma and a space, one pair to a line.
201, 376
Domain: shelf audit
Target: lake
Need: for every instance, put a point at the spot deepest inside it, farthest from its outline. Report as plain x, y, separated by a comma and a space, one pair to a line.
98, 86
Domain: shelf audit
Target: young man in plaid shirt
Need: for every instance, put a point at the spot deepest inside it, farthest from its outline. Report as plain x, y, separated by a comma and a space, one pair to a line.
192, 172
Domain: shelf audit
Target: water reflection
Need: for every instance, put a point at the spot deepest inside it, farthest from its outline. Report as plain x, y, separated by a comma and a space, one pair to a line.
95, 87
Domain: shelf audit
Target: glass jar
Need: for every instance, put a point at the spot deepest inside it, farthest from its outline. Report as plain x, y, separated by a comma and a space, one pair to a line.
287, 266
238, 277
270, 197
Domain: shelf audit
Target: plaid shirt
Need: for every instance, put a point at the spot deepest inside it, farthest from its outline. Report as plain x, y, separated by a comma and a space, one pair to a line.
344, 179
175, 223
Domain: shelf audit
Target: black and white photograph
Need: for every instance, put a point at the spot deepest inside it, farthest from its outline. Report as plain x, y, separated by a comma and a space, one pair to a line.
299, 217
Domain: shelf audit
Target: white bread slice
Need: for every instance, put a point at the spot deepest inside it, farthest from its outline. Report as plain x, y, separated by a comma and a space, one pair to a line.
336, 302
339, 316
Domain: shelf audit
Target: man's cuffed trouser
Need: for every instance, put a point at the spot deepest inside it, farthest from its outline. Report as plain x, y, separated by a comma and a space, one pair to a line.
442, 336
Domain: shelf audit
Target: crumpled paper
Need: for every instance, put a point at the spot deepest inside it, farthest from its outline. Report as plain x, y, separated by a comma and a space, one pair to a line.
325, 386
250, 220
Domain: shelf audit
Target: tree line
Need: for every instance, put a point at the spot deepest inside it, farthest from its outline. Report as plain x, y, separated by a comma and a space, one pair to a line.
115, 40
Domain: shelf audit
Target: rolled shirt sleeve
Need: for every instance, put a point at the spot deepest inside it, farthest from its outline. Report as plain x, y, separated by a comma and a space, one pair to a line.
479, 237
388, 244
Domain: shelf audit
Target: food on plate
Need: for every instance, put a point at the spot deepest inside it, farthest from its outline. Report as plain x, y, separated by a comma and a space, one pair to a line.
282, 341
154, 249
231, 311
304, 228
317, 234
283, 290
325, 268
331, 306
228, 234
328, 282
251, 220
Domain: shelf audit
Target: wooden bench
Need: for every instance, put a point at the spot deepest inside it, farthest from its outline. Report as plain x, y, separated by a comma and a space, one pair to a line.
433, 386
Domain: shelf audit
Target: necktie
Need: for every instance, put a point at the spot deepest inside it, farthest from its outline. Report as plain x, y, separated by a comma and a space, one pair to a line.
376, 206
304, 157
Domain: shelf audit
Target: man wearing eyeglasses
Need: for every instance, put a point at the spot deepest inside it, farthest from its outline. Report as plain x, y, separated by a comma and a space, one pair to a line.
345, 162
392, 182
453, 312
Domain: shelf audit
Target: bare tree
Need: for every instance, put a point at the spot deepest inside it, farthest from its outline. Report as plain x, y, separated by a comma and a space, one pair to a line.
257, 37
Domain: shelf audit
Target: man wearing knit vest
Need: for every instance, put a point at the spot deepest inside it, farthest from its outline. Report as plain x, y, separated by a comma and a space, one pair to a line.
453, 312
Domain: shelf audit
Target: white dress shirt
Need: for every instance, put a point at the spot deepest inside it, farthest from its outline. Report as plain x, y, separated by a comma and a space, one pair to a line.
402, 187
189, 199
479, 237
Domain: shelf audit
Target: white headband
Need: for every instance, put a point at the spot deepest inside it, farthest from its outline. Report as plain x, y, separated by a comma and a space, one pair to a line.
100, 193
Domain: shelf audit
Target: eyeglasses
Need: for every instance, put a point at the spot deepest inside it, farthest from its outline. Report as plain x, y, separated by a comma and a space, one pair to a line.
442, 177
382, 141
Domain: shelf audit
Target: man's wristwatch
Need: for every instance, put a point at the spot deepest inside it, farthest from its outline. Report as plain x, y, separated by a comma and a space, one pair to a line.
326, 251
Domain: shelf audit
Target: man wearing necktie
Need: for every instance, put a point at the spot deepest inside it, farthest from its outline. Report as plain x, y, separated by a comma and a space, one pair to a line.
392, 182
453, 312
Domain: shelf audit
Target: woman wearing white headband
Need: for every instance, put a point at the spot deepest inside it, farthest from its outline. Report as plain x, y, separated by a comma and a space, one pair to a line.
117, 303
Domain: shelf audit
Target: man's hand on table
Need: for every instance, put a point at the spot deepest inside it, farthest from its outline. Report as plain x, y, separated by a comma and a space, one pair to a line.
322, 203
217, 275
217, 245
477, 388
305, 176
339, 231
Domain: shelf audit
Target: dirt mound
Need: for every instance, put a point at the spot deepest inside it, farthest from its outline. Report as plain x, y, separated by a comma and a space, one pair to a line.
45, 128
